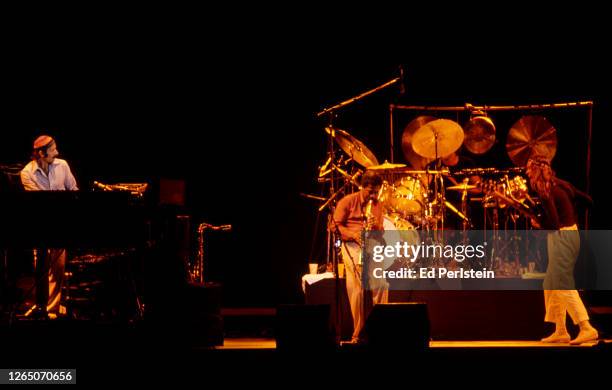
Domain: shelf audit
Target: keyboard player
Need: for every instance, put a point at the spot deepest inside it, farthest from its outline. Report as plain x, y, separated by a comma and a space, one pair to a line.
46, 172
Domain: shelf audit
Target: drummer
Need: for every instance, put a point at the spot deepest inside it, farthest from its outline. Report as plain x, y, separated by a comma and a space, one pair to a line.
456, 162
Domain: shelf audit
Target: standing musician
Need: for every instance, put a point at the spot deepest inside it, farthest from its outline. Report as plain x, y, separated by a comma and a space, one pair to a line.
355, 213
560, 217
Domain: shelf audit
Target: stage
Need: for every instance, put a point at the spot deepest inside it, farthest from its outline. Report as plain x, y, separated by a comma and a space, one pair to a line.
270, 344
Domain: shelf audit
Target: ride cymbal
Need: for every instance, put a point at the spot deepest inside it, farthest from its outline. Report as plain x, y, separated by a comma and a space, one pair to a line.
529, 136
438, 138
417, 162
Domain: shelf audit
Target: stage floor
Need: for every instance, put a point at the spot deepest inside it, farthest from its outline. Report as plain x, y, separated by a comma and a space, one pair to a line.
267, 343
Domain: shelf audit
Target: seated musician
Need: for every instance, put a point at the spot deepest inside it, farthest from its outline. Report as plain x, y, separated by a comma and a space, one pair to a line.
46, 172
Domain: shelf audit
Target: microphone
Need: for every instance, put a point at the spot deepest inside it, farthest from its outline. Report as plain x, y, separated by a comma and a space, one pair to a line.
402, 86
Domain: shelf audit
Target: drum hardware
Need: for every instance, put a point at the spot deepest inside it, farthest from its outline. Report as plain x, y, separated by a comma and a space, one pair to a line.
347, 182
460, 214
325, 170
507, 198
313, 197
463, 187
489, 171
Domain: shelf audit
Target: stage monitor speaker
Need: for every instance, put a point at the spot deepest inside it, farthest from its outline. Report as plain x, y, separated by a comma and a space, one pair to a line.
304, 328
400, 326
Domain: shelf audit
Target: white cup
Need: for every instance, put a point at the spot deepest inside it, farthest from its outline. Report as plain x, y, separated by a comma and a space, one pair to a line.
313, 268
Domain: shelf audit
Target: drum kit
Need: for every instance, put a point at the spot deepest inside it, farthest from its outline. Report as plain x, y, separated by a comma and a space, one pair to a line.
414, 195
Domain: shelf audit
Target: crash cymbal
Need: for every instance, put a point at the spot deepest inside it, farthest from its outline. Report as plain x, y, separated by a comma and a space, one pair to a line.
387, 166
437, 138
354, 148
531, 135
479, 134
417, 162
461, 187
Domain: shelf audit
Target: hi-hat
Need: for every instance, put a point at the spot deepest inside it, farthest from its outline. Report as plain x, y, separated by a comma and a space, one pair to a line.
529, 136
462, 187
387, 166
354, 148
437, 138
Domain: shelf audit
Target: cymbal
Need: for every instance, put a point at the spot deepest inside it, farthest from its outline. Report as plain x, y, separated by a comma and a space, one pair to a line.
438, 138
462, 187
417, 162
354, 148
531, 135
386, 166
479, 134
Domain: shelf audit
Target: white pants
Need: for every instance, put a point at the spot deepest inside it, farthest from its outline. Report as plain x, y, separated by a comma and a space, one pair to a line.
563, 250
351, 253
559, 302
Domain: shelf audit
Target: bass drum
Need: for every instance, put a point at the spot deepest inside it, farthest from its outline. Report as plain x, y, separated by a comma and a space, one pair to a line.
397, 229
409, 196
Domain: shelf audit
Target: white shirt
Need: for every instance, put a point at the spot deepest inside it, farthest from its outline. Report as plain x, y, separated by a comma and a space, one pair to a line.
60, 177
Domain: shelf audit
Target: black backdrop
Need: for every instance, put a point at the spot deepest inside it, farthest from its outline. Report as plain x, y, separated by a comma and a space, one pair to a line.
234, 117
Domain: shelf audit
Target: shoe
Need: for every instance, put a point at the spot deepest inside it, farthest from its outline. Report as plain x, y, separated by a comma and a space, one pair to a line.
585, 337
557, 338
354, 341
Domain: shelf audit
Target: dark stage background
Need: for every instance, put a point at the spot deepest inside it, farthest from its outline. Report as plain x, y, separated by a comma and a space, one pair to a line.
235, 118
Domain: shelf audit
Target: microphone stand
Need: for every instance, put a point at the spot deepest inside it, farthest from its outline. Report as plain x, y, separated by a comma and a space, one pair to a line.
332, 236
358, 97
